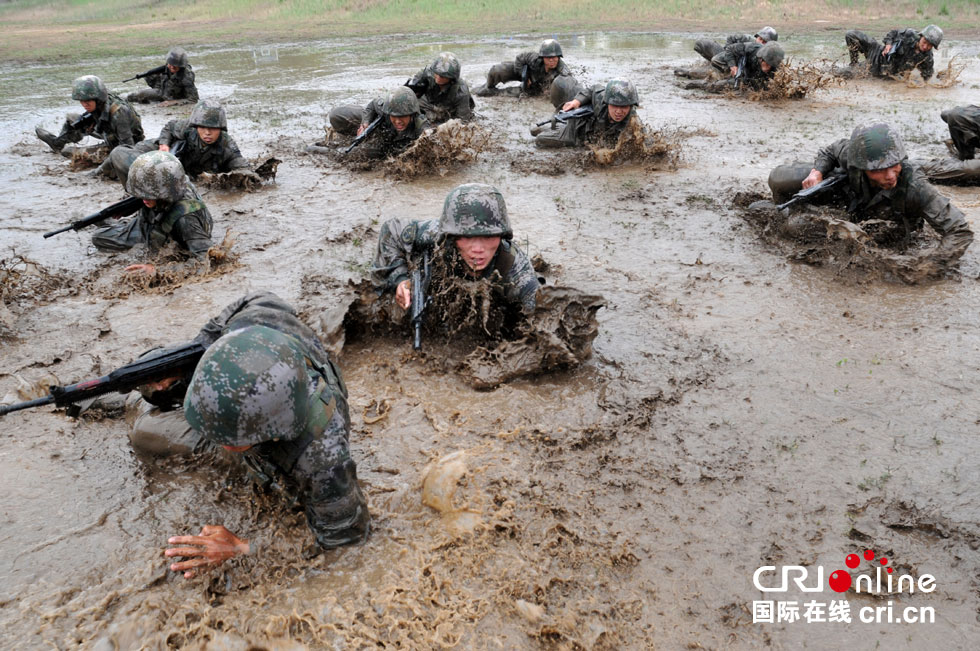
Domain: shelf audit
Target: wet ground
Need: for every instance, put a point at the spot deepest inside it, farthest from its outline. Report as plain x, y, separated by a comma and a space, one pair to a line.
740, 410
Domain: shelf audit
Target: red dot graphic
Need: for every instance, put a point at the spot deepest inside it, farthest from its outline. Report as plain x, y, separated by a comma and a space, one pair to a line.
889, 570
884, 561
869, 555
840, 581
852, 561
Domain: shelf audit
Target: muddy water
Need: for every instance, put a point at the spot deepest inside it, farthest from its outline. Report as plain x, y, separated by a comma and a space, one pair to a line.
740, 410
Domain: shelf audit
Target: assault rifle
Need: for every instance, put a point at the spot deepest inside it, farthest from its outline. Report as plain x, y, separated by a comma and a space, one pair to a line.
159, 70
153, 368
84, 121
564, 116
364, 134
895, 48
740, 74
420, 287
524, 87
419, 88
836, 178
178, 149
123, 208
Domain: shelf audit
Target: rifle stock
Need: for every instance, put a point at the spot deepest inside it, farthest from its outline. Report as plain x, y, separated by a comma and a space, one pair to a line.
122, 208
564, 116
154, 368
83, 121
364, 134
420, 288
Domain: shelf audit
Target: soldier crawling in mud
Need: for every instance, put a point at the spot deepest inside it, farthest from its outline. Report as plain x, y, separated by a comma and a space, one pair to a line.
106, 116
442, 94
172, 85
962, 167
206, 145
399, 118
899, 52
880, 184
172, 210
471, 240
614, 107
265, 389
747, 65
709, 49
539, 72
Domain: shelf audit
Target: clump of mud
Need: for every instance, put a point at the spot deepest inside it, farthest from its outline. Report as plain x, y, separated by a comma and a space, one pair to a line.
241, 179
872, 249
636, 144
438, 151
950, 76
25, 283
795, 82
83, 158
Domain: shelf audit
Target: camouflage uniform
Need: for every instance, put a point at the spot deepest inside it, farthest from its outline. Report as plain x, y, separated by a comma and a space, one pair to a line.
385, 140
908, 56
599, 128
964, 129
403, 241
951, 171
116, 122
302, 450
910, 202
169, 85
179, 215
222, 155
558, 82
442, 103
709, 49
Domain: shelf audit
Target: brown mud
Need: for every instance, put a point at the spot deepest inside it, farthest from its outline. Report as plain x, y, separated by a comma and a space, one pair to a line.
738, 410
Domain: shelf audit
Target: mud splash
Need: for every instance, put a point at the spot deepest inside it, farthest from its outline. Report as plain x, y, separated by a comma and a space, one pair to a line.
446, 148
239, 180
795, 81
83, 158
637, 144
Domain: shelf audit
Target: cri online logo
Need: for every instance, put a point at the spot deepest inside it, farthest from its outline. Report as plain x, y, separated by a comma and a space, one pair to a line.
841, 580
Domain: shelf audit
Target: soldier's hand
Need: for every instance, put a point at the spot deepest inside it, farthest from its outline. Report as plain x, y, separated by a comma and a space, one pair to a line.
814, 177
733, 70
164, 147
213, 546
147, 269
888, 48
571, 105
168, 102
403, 294
361, 129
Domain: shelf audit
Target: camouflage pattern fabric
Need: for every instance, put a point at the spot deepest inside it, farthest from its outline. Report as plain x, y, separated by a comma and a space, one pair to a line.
315, 466
156, 175
550, 48
951, 171
475, 210
908, 56
209, 113
964, 129
911, 201
168, 86
753, 75
187, 222
89, 87
385, 140
117, 123
401, 241
177, 57
442, 103
767, 34
621, 92
710, 49
875, 147
597, 129
222, 155
539, 80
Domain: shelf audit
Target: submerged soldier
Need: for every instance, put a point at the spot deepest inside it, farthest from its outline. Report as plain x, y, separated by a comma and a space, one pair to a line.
106, 116
881, 184
899, 52
400, 123
202, 139
267, 390
473, 237
172, 210
964, 130
613, 108
709, 49
747, 65
539, 72
172, 86
442, 94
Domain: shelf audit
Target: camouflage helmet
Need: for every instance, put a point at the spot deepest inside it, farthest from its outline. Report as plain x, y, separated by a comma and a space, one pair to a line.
621, 92
156, 175
550, 48
475, 210
767, 34
401, 101
875, 147
209, 113
89, 87
177, 57
771, 53
446, 65
933, 34
250, 386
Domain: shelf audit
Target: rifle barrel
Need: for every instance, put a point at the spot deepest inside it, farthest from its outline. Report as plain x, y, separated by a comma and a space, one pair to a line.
37, 402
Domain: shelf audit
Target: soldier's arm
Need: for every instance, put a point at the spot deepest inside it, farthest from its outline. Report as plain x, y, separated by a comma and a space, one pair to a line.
122, 125
420, 77
523, 281
372, 111
172, 132
945, 218
232, 158
926, 67
195, 231
187, 83
524, 59
396, 244
732, 54
831, 157
214, 328
464, 102
738, 38
891, 37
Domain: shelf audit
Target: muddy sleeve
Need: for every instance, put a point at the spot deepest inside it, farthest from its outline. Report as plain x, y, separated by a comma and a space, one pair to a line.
523, 282
831, 157
195, 231
372, 111
891, 37
524, 59
187, 84
420, 78
945, 218
464, 103
585, 93
396, 243
926, 67
733, 53
738, 38
172, 132
232, 158
216, 326
155, 81
122, 125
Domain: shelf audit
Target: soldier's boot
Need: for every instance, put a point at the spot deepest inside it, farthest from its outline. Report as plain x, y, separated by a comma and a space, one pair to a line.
56, 143
698, 72
854, 53
695, 85
536, 129
485, 91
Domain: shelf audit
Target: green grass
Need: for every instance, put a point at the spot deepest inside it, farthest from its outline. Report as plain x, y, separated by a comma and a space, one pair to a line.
46, 29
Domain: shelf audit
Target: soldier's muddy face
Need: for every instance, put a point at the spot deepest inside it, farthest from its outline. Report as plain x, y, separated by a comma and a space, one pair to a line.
172, 68
923, 45
885, 179
401, 122
87, 104
618, 113
208, 134
765, 66
477, 252
442, 81
150, 203
550, 63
